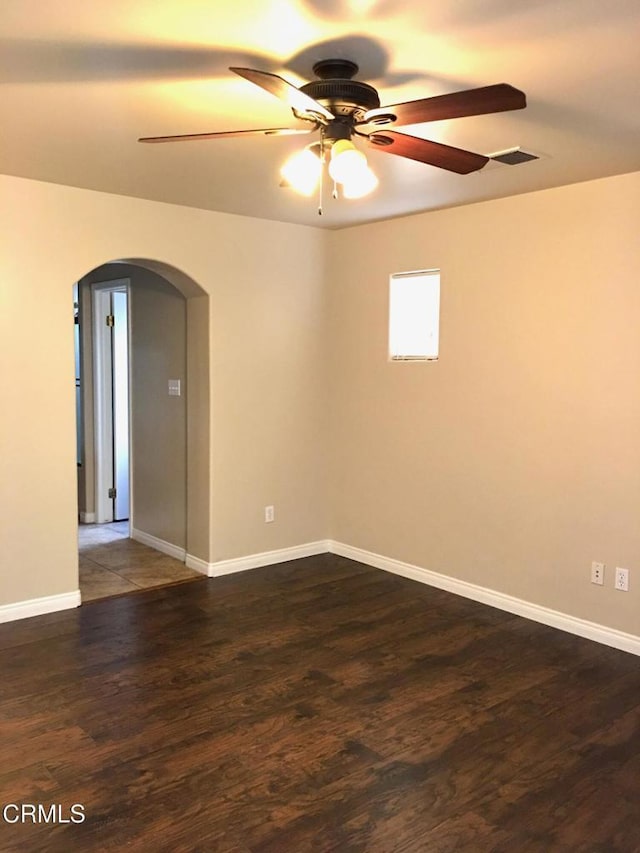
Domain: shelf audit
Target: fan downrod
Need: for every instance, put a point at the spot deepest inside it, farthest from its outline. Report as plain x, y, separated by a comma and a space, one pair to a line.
335, 69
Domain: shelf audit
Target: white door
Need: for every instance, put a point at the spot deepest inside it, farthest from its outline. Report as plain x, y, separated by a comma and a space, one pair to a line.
111, 356
120, 370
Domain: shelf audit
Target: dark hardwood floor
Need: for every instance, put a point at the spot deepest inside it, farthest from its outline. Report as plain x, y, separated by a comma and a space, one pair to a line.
318, 705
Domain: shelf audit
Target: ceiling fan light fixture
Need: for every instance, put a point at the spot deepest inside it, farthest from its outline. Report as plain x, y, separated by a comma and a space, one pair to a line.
302, 171
356, 110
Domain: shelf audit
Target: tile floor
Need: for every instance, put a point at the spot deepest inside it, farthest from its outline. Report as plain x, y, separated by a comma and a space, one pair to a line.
113, 564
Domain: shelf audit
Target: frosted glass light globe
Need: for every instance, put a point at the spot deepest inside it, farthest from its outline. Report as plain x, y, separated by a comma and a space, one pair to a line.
346, 160
359, 184
302, 171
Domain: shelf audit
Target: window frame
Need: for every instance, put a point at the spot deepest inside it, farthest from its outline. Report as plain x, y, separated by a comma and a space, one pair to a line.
424, 273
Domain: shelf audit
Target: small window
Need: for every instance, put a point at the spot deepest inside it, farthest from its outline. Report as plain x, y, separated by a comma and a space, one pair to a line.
414, 315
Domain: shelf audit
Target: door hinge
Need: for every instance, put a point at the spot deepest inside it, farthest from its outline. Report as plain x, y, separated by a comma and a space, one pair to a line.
111, 320
112, 493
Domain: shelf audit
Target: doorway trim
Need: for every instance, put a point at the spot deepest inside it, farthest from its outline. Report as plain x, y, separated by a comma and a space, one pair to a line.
103, 396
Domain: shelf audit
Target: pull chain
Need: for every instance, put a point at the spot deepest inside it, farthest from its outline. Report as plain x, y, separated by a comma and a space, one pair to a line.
321, 184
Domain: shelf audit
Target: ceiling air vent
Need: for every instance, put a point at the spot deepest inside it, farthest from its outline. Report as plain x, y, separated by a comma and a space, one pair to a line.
513, 156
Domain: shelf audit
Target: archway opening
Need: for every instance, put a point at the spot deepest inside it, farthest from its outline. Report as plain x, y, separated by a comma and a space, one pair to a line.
169, 416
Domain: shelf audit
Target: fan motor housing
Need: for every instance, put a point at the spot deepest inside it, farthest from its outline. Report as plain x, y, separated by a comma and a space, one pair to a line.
338, 92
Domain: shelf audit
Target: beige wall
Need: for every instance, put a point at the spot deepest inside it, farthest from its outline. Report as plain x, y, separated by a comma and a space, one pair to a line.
514, 461
199, 483
267, 376
158, 421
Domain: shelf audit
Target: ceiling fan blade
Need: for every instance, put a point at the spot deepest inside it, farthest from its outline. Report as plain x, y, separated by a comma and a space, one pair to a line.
472, 102
433, 153
278, 86
269, 131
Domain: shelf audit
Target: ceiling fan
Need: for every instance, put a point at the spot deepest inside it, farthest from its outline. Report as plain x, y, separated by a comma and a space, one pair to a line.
341, 108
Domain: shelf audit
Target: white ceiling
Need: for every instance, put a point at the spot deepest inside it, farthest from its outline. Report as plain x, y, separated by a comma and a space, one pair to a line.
81, 81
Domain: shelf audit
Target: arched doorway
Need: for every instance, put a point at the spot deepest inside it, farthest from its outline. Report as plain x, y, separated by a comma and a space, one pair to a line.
169, 431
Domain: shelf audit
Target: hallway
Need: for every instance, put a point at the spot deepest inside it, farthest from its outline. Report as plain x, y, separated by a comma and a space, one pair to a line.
112, 564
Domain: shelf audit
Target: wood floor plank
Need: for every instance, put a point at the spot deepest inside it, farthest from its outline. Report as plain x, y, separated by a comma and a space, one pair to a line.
317, 705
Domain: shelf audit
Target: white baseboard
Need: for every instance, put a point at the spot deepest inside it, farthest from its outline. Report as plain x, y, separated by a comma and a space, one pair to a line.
87, 517
546, 616
159, 544
255, 561
554, 618
39, 606
197, 564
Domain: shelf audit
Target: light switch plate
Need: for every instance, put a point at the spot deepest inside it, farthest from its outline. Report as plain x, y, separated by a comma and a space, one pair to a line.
174, 387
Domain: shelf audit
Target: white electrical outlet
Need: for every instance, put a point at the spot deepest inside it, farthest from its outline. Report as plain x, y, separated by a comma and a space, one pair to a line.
597, 573
269, 514
622, 579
